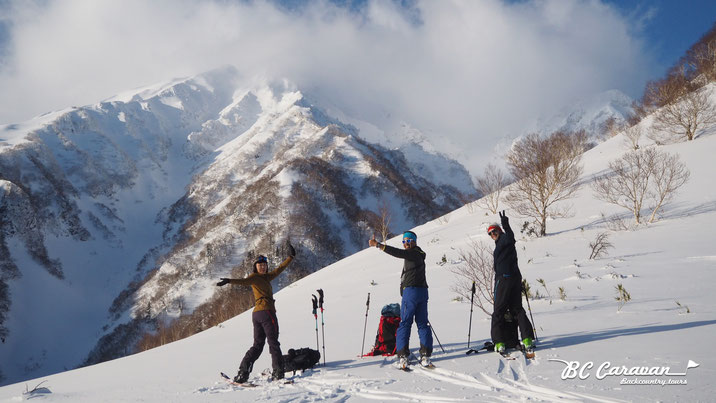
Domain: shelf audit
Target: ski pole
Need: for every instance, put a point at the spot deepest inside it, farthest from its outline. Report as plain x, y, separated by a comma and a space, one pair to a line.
436, 336
367, 305
323, 329
315, 315
469, 329
534, 326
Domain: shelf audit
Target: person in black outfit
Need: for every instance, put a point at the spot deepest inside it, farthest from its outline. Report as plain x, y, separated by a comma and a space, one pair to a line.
508, 286
414, 304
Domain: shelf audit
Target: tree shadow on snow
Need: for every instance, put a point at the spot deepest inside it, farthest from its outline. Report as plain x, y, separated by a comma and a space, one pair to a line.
685, 210
670, 212
586, 337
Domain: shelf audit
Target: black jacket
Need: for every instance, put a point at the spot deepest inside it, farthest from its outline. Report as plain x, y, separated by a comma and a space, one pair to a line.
413, 268
505, 254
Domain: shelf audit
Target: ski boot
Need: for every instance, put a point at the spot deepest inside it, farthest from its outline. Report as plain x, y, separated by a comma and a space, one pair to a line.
277, 374
241, 377
426, 362
402, 363
529, 347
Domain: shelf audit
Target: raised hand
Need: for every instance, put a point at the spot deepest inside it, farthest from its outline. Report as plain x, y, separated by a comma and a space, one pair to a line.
503, 217
223, 282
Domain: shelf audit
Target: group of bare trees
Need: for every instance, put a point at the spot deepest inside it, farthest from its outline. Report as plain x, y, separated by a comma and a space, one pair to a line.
681, 103
641, 176
684, 117
544, 171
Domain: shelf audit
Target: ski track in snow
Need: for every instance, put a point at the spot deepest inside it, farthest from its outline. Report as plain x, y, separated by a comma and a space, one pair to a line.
510, 384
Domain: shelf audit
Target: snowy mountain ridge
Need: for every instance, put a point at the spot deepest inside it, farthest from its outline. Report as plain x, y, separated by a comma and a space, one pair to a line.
139, 202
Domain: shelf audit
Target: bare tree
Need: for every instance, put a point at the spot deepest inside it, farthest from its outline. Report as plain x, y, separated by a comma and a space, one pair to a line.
490, 185
600, 246
546, 171
703, 55
477, 267
669, 175
611, 127
385, 218
628, 182
639, 176
665, 91
685, 117
632, 135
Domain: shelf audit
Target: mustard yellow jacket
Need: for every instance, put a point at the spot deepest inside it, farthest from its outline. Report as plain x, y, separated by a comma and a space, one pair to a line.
261, 285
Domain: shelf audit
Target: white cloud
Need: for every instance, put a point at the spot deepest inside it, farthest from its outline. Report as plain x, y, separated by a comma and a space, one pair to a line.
473, 70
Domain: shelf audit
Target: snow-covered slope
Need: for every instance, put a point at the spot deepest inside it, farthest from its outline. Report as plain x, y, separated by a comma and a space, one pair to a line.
122, 210
670, 261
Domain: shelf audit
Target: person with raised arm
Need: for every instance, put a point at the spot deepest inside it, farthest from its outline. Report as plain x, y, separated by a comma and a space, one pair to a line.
508, 286
264, 316
414, 303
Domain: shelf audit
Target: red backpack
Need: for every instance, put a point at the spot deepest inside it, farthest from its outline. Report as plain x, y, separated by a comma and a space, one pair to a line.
385, 339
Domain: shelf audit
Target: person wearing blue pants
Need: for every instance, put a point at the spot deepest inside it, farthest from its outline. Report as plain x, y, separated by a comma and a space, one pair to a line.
414, 304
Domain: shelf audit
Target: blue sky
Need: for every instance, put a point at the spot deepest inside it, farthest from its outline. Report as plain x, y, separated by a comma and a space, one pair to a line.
471, 70
670, 27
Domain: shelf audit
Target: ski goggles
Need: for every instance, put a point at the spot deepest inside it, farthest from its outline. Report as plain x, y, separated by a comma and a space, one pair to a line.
493, 228
262, 259
407, 241
493, 232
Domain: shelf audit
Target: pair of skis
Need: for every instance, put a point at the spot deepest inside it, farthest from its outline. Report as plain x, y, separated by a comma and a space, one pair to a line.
230, 381
528, 353
489, 346
249, 384
318, 302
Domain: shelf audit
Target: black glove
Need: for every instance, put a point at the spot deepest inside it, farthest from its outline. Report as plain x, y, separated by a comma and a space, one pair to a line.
503, 218
223, 282
291, 251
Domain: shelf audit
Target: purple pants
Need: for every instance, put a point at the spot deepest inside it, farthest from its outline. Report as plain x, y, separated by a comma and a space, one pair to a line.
265, 327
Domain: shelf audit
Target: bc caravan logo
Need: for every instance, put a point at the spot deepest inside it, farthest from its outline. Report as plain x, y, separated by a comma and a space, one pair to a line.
649, 375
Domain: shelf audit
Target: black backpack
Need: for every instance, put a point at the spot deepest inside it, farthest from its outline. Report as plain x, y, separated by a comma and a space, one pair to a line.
300, 359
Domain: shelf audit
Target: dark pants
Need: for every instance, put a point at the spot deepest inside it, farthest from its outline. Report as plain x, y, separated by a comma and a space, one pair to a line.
415, 306
265, 327
508, 296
